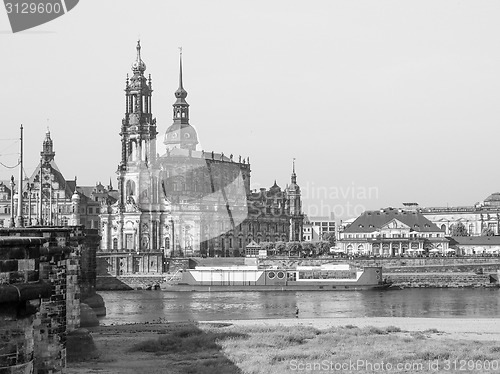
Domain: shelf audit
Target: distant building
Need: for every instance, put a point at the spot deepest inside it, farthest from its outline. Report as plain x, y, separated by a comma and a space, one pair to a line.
316, 226
475, 245
476, 218
49, 199
392, 232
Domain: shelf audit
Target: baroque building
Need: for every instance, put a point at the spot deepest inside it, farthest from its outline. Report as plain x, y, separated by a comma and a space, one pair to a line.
49, 199
185, 201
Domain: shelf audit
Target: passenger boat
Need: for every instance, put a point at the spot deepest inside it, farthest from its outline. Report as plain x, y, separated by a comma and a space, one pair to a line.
326, 277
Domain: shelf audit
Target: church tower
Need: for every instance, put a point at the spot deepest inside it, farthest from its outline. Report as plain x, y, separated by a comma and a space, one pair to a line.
47, 152
181, 134
295, 203
138, 131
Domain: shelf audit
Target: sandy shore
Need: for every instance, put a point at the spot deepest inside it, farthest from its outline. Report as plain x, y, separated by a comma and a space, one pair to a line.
453, 328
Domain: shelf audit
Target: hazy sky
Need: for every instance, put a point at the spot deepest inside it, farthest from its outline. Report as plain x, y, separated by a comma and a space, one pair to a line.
381, 102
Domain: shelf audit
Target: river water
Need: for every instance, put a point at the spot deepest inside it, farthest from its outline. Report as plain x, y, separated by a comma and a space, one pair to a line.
150, 306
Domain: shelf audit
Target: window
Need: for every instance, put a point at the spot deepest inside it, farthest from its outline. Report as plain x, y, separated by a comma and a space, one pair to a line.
91, 210
129, 240
115, 243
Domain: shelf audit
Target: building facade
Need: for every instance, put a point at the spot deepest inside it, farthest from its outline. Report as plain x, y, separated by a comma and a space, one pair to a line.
315, 227
476, 218
392, 232
49, 199
186, 201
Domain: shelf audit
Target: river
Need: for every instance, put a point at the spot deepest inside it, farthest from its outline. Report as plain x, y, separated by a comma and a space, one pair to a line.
150, 306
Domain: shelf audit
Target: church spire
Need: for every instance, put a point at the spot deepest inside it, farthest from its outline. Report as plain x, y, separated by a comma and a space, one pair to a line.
294, 176
181, 134
181, 93
138, 67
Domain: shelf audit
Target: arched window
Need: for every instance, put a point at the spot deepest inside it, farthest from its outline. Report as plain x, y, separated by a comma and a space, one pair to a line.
115, 243
167, 242
130, 190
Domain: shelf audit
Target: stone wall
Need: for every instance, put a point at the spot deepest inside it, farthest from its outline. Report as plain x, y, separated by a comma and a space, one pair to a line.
40, 280
19, 287
129, 282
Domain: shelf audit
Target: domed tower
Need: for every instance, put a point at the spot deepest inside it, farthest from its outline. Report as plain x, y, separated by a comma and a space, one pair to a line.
295, 203
181, 134
75, 208
138, 131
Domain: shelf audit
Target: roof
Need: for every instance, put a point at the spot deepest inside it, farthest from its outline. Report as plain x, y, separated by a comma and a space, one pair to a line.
475, 240
494, 197
370, 221
253, 244
59, 178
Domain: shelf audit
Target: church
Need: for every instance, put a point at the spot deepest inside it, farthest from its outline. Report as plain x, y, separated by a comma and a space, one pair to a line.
183, 201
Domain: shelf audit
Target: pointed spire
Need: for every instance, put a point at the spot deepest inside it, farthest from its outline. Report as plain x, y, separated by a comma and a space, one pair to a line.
294, 176
180, 67
138, 66
181, 93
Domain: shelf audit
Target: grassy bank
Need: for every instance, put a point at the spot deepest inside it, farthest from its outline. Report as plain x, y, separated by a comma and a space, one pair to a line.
226, 348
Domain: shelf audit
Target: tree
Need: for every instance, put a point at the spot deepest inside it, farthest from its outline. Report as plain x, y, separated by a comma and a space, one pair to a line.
458, 229
293, 247
266, 245
487, 231
279, 247
322, 247
329, 237
308, 249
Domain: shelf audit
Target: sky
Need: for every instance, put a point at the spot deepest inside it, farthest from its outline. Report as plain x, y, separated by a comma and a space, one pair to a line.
380, 102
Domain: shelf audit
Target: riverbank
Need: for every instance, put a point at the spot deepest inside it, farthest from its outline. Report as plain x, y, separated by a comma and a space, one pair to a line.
428, 272
283, 345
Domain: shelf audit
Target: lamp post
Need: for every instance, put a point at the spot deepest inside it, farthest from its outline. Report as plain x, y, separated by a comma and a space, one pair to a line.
20, 218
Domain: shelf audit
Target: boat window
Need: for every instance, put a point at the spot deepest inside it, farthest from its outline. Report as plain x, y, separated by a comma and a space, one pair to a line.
271, 275
281, 275
331, 274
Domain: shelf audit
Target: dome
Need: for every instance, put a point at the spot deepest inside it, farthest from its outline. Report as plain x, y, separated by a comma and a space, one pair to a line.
76, 196
181, 93
493, 199
138, 66
181, 134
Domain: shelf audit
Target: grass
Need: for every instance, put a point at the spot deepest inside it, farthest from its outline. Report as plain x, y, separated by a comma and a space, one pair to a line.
226, 349
285, 348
